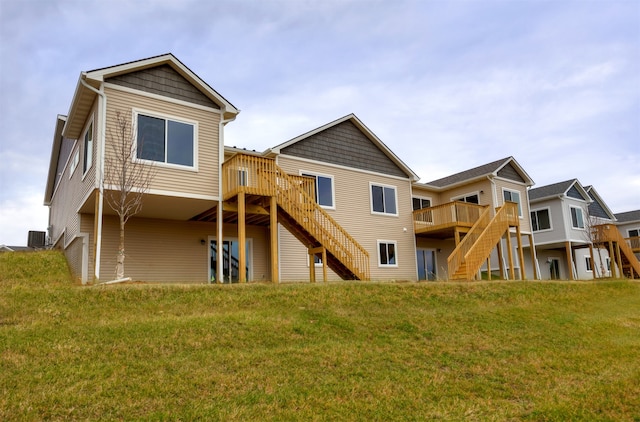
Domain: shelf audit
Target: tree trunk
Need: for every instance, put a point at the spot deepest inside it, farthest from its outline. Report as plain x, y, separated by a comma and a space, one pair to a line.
120, 259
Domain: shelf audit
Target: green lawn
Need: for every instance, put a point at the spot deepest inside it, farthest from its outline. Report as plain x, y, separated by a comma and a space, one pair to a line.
344, 351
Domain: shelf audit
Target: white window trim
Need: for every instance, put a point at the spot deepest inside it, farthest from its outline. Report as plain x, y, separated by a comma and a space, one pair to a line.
633, 228
571, 218
333, 187
395, 194
395, 246
587, 259
520, 204
428, 198
93, 144
458, 197
74, 161
194, 123
550, 220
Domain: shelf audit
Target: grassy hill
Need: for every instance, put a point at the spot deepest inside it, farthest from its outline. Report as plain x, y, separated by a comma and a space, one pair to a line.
344, 351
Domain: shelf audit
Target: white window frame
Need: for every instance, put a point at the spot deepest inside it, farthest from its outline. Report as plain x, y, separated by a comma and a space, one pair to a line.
421, 198
465, 196
395, 198
512, 191
136, 112
395, 248
88, 156
581, 216
637, 230
75, 160
550, 221
588, 264
315, 175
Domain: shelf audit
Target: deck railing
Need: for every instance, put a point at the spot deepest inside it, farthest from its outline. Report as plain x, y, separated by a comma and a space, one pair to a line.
296, 196
634, 243
610, 233
446, 215
477, 244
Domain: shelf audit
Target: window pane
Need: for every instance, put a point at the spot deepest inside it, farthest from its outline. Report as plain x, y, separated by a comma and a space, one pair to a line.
150, 144
416, 203
473, 199
390, 200
534, 221
544, 223
377, 198
384, 260
88, 148
180, 143
324, 191
576, 218
391, 253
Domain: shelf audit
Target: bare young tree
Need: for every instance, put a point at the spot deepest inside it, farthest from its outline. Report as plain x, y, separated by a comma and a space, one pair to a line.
594, 237
128, 180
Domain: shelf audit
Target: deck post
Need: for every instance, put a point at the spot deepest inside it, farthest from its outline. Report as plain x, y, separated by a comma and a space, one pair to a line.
273, 229
612, 260
312, 267
242, 239
567, 247
219, 240
619, 258
593, 262
534, 262
489, 267
512, 273
520, 253
456, 234
501, 260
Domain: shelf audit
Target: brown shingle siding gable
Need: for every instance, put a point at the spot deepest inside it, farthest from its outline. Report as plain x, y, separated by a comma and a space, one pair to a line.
345, 145
163, 80
509, 172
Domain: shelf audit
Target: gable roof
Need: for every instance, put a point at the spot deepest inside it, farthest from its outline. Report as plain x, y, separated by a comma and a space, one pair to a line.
53, 163
558, 190
628, 216
598, 208
488, 170
352, 119
84, 96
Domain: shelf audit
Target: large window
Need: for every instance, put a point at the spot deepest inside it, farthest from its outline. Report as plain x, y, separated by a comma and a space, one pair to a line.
165, 141
577, 221
324, 189
513, 196
540, 220
387, 253
420, 203
471, 199
88, 149
383, 199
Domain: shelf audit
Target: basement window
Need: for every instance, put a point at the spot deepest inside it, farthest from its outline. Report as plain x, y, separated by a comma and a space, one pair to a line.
387, 253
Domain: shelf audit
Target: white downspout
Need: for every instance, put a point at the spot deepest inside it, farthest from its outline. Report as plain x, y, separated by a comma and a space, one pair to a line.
219, 269
100, 169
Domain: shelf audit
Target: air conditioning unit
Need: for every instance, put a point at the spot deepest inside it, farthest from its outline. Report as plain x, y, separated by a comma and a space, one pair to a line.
36, 239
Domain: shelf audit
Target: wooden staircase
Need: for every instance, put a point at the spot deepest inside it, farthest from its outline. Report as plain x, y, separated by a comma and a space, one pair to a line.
298, 211
476, 246
609, 234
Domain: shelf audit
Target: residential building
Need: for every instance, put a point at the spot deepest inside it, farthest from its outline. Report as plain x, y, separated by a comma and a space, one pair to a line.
333, 203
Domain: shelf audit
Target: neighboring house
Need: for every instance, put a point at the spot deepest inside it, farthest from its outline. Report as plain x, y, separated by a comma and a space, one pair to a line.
563, 215
333, 203
446, 212
628, 224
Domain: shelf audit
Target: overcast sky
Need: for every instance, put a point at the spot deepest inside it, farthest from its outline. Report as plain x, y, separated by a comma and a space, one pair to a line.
447, 85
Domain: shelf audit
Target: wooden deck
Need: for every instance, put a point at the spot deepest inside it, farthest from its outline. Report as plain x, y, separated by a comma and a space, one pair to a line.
443, 221
621, 250
257, 187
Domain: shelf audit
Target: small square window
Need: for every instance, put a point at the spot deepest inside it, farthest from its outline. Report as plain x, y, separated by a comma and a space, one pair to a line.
387, 254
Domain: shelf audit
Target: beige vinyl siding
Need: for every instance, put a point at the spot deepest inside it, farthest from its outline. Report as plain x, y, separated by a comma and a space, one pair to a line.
525, 221
353, 213
171, 251
482, 188
73, 189
204, 181
74, 257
